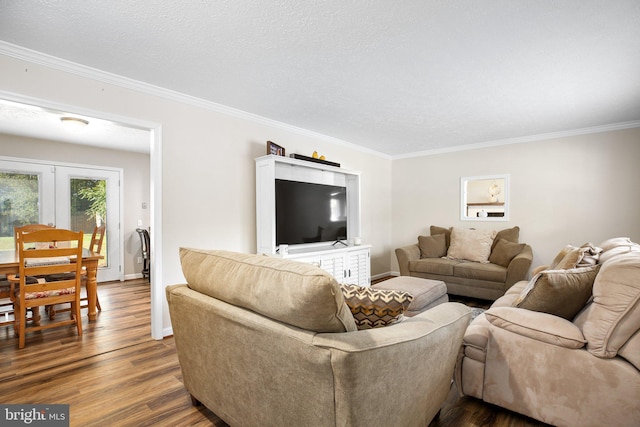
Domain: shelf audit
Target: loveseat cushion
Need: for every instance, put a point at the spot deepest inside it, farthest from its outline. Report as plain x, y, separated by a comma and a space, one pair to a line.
614, 315
479, 271
504, 251
509, 234
471, 245
291, 292
432, 246
434, 230
441, 266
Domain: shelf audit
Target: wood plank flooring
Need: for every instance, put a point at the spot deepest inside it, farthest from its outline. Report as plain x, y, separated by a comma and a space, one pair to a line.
116, 375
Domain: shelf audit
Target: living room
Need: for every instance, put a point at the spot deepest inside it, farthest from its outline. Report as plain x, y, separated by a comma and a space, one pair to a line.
567, 186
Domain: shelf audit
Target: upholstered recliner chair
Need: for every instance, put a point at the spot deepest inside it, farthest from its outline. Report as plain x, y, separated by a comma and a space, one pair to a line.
270, 342
531, 353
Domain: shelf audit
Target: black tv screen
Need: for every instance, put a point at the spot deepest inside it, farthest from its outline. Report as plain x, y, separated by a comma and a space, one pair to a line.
310, 213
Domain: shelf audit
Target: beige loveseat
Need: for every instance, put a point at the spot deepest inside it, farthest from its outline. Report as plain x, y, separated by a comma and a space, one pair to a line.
269, 342
554, 366
473, 263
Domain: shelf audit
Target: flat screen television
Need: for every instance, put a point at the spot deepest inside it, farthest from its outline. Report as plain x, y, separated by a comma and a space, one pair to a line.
310, 213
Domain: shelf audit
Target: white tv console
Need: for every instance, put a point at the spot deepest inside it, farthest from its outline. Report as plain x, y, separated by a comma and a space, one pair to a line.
349, 264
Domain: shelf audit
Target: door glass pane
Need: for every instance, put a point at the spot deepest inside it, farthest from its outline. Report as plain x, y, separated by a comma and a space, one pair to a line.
19, 205
89, 210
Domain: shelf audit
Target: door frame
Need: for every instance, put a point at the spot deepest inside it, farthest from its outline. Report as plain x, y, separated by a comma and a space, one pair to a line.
155, 194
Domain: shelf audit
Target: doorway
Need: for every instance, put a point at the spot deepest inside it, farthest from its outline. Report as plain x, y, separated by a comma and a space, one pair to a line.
153, 132
76, 197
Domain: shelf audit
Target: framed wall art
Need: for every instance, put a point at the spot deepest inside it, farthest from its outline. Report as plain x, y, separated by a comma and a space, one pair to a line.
275, 149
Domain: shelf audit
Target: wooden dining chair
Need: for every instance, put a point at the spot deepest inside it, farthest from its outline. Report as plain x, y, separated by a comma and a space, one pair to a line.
97, 237
28, 228
55, 259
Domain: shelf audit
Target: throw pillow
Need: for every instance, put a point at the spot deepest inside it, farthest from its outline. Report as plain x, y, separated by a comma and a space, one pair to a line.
504, 252
434, 229
471, 245
560, 256
584, 256
432, 246
562, 293
375, 308
508, 234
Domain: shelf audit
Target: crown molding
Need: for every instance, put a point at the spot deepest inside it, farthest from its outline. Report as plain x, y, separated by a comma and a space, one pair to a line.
40, 58
80, 70
531, 138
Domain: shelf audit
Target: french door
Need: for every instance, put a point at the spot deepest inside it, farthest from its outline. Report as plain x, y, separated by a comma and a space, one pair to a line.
71, 197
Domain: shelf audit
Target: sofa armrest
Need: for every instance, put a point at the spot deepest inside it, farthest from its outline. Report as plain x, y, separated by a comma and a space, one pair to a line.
539, 326
405, 255
408, 330
412, 362
519, 266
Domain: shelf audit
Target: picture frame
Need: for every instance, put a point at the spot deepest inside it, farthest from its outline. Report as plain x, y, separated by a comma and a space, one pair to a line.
275, 149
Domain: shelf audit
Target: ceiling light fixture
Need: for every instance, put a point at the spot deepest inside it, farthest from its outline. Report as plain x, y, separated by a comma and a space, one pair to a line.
74, 124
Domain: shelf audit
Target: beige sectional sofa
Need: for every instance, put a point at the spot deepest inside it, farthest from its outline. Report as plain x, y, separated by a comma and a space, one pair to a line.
474, 263
549, 364
270, 342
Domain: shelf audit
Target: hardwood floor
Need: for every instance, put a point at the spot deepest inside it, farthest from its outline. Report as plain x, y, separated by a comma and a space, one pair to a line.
117, 375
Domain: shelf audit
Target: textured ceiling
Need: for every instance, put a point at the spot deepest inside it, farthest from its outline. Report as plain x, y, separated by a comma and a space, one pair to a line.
396, 77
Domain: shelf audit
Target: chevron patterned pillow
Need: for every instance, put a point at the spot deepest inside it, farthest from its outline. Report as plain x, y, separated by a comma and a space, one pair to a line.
375, 308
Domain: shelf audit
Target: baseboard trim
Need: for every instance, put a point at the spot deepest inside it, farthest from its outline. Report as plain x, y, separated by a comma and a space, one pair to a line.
133, 276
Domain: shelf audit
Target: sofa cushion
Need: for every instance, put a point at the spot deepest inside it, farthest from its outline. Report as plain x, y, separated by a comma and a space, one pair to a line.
504, 251
471, 245
479, 271
292, 292
559, 292
441, 266
631, 350
434, 229
538, 326
617, 246
616, 242
509, 234
375, 308
614, 315
432, 246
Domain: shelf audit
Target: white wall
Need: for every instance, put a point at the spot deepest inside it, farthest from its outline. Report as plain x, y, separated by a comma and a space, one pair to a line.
208, 170
135, 176
569, 190
563, 191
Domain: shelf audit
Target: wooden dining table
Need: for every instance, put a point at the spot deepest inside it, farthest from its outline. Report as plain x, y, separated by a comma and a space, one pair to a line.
9, 264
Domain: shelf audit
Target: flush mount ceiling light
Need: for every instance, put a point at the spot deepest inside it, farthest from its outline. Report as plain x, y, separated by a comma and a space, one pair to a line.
74, 124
